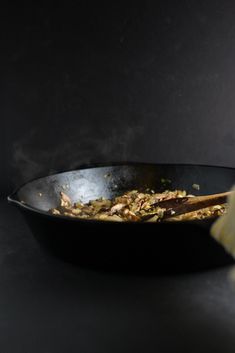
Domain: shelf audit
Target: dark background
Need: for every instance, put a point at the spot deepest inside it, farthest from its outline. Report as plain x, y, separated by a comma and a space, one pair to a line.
151, 81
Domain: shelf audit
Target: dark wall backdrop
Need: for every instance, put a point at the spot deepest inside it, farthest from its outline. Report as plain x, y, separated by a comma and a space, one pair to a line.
151, 81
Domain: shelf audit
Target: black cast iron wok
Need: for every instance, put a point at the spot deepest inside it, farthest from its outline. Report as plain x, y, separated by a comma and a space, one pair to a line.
174, 246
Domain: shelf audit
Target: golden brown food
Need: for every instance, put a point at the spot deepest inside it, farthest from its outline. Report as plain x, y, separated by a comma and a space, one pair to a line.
131, 206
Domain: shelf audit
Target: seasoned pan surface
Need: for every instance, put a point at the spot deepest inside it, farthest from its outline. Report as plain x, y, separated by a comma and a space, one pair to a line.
181, 245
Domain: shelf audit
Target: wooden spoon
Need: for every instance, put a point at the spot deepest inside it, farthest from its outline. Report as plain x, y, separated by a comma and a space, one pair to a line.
181, 205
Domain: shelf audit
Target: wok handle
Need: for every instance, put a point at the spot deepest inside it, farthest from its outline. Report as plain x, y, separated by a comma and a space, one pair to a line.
13, 199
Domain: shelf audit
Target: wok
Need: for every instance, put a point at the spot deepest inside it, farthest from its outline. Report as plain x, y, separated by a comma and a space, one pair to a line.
179, 246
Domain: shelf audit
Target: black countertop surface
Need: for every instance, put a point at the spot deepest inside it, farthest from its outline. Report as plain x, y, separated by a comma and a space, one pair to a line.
50, 306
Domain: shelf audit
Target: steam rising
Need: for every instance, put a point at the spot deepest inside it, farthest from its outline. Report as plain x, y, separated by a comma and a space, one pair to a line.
32, 157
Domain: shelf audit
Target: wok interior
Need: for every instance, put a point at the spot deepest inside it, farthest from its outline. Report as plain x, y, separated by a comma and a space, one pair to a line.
92, 183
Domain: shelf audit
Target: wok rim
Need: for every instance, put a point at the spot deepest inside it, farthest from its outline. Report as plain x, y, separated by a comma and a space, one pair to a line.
12, 198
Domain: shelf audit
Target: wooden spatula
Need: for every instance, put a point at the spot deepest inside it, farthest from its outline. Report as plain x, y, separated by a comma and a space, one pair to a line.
181, 205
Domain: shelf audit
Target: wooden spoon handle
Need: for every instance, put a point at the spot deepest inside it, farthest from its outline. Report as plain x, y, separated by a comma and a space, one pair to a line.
191, 204
182, 205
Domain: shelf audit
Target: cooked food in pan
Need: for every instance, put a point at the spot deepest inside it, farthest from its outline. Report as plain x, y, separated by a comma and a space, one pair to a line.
135, 206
